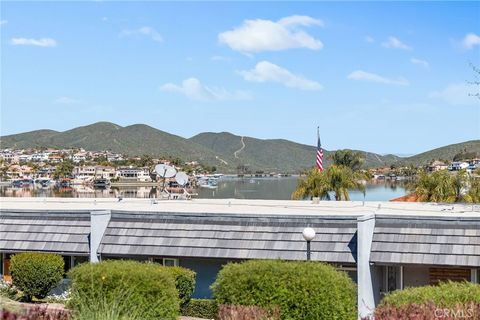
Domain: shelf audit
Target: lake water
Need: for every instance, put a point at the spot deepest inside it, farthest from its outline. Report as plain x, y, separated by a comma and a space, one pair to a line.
247, 188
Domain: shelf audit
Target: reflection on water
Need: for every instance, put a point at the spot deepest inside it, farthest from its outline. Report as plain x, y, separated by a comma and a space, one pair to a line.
248, 188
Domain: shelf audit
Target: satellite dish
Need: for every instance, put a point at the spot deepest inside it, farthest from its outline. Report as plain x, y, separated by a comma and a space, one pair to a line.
181, 178
165, 171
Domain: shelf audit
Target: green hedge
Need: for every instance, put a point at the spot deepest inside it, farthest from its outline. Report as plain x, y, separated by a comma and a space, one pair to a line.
201, 308
302, 290
127, 289
446, 294
184, 282
36, 274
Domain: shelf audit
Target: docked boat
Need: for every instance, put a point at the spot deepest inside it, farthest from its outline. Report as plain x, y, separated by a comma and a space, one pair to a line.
208, 182
43, 182
64, 183
101, 183
22, 183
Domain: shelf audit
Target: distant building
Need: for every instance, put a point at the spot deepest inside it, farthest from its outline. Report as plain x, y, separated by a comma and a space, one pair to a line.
437, 166
77, 157
458, 165
40, 157
133, 174
94, 172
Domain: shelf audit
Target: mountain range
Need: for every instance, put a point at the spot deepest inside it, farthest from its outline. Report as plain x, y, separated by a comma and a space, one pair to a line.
224, 150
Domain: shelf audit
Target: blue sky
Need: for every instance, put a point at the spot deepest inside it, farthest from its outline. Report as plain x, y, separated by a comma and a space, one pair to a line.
383, 77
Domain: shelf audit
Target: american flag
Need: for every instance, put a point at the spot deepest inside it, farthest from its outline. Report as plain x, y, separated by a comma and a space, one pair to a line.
319, 159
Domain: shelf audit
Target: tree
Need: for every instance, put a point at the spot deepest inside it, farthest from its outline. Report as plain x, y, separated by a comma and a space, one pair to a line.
145, 161
338, 179
440, 186
64, 169
348, 158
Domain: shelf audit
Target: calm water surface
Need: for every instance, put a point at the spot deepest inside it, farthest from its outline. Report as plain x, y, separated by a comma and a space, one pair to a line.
247, 188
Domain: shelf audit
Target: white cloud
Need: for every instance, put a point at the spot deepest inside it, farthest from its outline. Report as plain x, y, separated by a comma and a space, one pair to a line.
3, 22
42, 42
361, 75
104, 18
193, 89
143, 31
369, 39
470, 40
421, 62
395, 43
66, 100
266, 35
266, 71
458, 94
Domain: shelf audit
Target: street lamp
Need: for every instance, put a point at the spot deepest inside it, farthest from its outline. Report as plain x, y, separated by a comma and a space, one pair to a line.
308, 235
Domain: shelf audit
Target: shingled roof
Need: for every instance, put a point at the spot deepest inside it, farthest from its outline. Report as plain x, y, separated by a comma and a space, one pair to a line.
446, 240
229, 236
46, 231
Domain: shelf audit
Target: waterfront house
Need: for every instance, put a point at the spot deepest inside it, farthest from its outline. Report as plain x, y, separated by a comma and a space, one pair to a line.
437, 166
383, 246
93, 172
458, 165
133, 174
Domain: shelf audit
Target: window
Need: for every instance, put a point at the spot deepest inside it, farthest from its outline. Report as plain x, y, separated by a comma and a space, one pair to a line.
393, 278
169, 262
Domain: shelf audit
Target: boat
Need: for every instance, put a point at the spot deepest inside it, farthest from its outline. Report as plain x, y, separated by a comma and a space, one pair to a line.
101, 183
43, 182
64, 183
22, 183
208, 182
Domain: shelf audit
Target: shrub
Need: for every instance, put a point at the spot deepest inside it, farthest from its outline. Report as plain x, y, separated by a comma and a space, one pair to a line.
120, 289
446, 294
7, 290
301, 290
428, 311
233, 312
447, 301
184, 282
35, 274
201, 308
36, 313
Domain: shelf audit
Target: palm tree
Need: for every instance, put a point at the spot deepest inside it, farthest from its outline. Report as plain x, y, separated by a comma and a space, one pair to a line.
314, 184
473, 194
440, 186
338, 179
348, 158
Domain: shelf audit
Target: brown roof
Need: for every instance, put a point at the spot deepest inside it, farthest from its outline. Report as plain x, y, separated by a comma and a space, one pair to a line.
407, 198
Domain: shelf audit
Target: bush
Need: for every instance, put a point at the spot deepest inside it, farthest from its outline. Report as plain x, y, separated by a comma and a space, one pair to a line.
446, 294
35, 274
428, 311
118, 289
7, 290
184, 282
233, 312
201, 308
301, 290
36, 313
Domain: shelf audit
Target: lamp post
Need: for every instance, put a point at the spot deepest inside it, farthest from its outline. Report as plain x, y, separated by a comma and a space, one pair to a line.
308, 235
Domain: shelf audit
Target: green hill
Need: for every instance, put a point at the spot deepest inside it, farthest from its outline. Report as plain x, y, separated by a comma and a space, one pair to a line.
224, 150
132, 140
445, 153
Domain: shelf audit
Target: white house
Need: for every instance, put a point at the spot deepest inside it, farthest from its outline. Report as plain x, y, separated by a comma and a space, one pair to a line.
458, 165
133, 174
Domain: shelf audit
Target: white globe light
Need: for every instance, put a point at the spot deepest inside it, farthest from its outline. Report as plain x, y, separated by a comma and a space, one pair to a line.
308, 234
